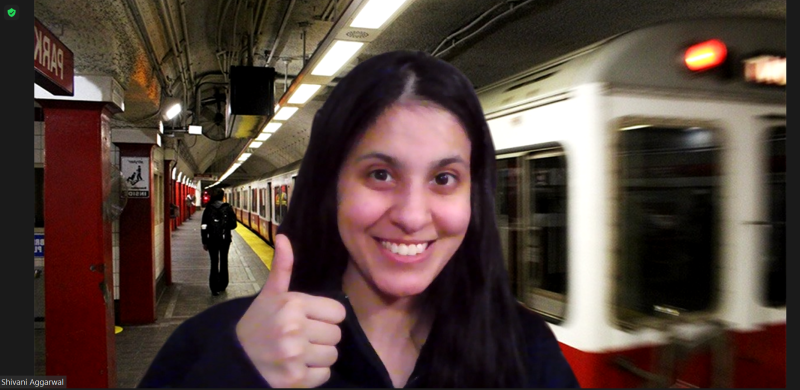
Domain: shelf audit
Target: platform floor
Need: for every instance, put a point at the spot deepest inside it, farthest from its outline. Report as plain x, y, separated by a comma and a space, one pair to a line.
136, 346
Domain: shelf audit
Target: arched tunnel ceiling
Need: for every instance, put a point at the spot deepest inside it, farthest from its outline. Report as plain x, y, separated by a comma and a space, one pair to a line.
161, 48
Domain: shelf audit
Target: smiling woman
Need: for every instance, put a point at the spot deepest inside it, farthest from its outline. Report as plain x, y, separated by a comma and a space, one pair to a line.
388, 270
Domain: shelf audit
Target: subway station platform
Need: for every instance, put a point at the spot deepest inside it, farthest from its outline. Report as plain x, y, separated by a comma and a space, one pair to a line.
189, 294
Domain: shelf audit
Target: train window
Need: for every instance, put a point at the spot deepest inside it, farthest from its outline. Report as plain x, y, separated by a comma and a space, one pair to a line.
38, 197
531, 208
277, 203
776, 264
261, 202
668, 221
268, 201
506, 211
254, 201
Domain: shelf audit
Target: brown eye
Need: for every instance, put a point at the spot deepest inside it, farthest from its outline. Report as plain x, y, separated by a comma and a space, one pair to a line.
444, 179
380, 175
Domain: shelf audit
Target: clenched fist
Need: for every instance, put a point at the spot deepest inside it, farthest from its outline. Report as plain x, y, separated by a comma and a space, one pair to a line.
290, 337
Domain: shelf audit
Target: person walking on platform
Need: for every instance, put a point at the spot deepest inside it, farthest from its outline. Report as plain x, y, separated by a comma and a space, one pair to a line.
215, 232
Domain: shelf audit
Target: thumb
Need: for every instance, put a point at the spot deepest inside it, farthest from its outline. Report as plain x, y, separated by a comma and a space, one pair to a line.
281, 272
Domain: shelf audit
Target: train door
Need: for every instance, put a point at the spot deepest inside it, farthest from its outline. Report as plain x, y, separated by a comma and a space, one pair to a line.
774, 290
531, 207
253, 209
669, 212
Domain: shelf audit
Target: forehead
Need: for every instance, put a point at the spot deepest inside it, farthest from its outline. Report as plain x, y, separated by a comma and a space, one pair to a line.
415, 126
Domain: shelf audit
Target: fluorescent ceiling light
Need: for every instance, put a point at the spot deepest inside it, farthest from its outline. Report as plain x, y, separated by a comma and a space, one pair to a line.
173, 111
158, 140
272, 127
376, 13
263, 136
196, 130
233, 167
256, 144
285, 113
303, 93
160, 127
244, 156
339, 53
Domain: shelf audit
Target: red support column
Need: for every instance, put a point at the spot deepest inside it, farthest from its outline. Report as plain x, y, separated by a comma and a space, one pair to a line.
79, 308
137, 288
177, 202
168, 225
181, 201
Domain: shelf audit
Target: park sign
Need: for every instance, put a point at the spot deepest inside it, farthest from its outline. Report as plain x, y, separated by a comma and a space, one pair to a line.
53, 64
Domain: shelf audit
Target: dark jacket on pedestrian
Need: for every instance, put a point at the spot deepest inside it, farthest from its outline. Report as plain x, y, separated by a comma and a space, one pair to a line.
205, 352
207, 227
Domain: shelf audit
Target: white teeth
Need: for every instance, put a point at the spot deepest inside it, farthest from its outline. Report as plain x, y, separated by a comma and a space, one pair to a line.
404, 249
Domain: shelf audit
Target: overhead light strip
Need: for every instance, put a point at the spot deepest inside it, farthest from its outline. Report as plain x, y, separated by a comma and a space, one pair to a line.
338, 55
272, 127
263, 136
304, 93
285, 113
376, 13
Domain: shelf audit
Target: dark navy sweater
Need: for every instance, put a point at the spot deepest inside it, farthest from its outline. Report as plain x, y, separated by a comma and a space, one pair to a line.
205, 352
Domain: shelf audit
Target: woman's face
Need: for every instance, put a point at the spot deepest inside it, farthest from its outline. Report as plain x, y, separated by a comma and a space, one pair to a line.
404, 198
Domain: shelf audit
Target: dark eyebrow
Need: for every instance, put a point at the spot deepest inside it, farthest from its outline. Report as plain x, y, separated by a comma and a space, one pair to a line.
380, 156
450, 160
393, 161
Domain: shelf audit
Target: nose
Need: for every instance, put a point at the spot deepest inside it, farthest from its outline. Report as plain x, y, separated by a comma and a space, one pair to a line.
411, 211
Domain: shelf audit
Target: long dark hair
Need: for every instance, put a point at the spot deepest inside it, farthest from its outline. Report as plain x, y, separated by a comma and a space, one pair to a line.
476, 335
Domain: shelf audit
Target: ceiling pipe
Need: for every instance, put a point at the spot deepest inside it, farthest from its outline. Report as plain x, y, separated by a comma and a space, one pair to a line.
235, 41
255, 28
511, 9
262, 13
329, 12
186, 41
169, 28
280, 41
221, 62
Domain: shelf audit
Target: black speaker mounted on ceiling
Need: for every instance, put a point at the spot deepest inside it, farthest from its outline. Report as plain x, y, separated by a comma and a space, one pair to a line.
251, 100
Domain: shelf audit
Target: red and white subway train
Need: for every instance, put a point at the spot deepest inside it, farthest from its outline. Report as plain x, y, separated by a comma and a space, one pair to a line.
641, 202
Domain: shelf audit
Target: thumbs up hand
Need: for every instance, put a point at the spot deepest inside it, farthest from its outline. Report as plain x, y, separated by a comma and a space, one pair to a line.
290, 337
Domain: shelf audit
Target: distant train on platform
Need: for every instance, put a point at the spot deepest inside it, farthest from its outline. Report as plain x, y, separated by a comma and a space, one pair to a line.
641, 202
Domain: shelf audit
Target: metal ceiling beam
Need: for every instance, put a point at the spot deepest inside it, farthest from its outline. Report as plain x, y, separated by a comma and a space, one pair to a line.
280, 39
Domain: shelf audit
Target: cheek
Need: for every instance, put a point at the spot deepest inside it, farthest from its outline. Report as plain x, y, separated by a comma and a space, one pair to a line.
356, 209
452, 216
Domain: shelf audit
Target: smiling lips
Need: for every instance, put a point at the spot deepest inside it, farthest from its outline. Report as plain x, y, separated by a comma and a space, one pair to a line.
404, 249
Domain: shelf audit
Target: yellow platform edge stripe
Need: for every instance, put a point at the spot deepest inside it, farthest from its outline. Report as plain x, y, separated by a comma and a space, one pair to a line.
264, 251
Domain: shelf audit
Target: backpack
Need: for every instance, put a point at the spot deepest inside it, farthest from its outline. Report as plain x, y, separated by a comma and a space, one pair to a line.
218, 228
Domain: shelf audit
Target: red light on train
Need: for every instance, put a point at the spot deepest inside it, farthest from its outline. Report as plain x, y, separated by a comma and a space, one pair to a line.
705, 55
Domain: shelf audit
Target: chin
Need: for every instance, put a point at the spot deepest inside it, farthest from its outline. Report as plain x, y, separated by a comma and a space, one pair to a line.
396, 287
